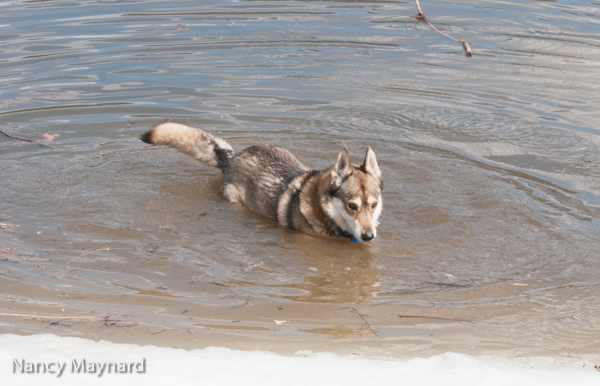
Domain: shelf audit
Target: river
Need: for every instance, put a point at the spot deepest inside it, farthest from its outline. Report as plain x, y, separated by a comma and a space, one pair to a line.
490, 233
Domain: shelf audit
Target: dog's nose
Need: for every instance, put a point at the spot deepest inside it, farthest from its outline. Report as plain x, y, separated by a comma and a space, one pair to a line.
368, 236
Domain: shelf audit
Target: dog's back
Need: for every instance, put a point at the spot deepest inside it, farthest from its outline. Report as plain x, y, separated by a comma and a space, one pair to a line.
255, 177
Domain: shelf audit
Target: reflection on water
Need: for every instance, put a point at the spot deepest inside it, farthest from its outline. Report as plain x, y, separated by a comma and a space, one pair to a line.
328, 277
491, 199
339, 332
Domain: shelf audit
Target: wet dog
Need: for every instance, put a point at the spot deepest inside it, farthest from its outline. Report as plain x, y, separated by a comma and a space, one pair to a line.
341, 201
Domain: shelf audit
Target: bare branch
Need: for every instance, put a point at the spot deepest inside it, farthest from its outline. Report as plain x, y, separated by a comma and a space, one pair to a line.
421, 17
365, 320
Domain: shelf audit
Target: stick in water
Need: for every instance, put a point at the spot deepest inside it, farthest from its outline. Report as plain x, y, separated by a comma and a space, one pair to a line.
466, 45
16, 137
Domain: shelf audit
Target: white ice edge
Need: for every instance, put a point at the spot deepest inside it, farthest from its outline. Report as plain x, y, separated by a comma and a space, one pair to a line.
222, 366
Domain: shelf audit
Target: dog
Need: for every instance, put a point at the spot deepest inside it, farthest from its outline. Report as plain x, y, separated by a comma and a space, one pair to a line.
341, 201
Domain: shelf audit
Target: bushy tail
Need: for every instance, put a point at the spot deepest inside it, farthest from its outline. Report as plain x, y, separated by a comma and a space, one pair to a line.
197, 143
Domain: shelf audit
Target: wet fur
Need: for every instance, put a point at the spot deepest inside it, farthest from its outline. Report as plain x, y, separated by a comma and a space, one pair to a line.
342, 200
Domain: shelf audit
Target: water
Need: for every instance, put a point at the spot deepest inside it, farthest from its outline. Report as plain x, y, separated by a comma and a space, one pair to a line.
490, 230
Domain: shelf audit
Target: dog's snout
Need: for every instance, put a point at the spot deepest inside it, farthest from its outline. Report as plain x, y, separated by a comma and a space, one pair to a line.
367, 236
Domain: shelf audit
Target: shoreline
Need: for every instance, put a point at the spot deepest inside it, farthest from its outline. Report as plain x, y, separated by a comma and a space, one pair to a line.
218, 365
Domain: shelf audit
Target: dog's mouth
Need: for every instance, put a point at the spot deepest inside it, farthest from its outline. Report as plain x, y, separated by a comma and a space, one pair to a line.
363, 236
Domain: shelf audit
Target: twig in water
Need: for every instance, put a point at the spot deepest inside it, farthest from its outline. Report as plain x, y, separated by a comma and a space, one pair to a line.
242, 305
197, 278
365, 320
57, 323
106, 320
255, 265
421, 16
233, 287
16, 137
434, 317
445, 284
114, 322
221, 284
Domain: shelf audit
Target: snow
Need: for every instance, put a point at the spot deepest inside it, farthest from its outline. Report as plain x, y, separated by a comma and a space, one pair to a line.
222, 366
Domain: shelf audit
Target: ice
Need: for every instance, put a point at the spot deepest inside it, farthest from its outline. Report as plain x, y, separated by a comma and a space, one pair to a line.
222, 366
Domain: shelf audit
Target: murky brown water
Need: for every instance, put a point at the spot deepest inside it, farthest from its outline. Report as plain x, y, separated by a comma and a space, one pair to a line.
490, 231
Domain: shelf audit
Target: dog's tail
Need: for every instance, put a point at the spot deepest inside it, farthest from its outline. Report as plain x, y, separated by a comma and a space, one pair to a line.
197, 143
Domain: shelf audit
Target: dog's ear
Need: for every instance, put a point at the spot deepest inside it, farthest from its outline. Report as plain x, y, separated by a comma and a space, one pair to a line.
370, 165
342, 168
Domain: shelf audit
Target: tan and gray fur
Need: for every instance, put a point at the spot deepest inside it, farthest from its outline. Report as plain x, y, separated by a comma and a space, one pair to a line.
343, 200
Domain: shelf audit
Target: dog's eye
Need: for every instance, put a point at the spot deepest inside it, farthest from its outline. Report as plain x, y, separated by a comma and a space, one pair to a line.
374, 205
352, 206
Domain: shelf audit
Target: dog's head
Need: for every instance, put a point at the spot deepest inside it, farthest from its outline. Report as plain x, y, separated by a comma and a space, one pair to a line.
354, 199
